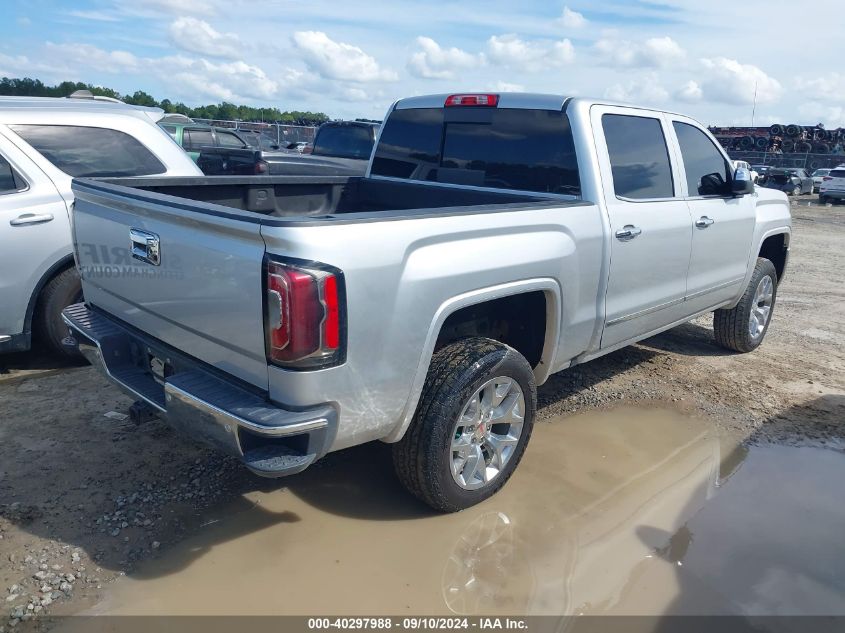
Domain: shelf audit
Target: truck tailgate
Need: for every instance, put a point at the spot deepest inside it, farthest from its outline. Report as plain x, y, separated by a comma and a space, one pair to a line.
192, 280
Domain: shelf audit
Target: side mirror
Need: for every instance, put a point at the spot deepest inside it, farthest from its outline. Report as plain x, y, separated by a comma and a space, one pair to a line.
742, 184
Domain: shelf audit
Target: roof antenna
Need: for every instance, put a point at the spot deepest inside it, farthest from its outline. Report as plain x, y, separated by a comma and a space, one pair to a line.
754, 108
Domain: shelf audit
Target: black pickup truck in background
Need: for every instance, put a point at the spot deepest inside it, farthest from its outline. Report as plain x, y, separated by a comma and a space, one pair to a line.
341, 148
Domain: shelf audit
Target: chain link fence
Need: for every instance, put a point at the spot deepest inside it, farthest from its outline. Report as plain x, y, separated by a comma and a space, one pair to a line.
281, 134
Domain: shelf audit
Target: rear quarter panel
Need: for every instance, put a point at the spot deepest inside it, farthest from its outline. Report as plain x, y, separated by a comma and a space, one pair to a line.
404, 277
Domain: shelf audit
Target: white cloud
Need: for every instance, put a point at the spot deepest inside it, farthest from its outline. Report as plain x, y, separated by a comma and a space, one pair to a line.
96, 16
511, 52
645, 89
336, 60
504, 86
24, 21
728, 81
831, 87
86, 55
690, 92
198, 36
572, 19
177, 7
230, 81
655, 52
436, 62
833, 116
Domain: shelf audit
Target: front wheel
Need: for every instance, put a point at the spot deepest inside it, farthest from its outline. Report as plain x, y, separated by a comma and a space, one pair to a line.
796, 191
743, 327
471, 427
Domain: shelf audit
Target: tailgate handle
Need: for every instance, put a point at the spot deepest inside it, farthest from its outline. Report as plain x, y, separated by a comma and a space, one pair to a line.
145, 246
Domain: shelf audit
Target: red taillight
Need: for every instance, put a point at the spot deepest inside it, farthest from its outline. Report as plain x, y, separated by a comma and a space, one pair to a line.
828, 178
331, 325
261, 167
472, 100
303, 318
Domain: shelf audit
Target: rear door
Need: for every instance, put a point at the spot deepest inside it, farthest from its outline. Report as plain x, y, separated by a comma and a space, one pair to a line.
34, 234
189, 277
650, 223
722, 224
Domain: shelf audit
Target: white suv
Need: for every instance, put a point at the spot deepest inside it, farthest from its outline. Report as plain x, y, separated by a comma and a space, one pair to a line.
832, 188
44, 143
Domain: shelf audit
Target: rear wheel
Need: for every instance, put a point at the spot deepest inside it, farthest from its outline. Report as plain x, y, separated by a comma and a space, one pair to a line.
61, 291
471, 427
743, 327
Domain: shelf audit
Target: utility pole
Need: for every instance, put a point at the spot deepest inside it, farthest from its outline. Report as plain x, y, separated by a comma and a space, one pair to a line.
754, 108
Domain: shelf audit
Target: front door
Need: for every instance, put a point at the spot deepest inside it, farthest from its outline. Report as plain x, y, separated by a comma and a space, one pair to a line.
650, 224
723, 224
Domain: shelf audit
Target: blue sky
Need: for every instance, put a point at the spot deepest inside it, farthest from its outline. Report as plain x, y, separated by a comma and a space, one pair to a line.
354, 58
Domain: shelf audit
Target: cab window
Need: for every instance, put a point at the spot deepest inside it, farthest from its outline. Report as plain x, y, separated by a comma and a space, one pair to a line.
639, 157
708, 173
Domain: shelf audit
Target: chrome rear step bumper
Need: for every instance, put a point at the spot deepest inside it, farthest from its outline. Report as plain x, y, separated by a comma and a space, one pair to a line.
272, 441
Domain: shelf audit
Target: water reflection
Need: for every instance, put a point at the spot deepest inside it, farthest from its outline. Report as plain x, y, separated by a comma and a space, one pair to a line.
546, 555
621, 513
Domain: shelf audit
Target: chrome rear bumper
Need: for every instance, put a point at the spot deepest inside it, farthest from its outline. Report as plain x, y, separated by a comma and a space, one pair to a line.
272, 441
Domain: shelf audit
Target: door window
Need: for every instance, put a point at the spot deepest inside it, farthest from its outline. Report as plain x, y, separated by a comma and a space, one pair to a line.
227, 139
639, 157
708, 173
194, 139
90, 151
9, 180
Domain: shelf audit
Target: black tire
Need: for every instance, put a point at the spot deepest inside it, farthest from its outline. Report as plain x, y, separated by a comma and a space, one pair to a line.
796, 190
61, 291
731, 327
422, 458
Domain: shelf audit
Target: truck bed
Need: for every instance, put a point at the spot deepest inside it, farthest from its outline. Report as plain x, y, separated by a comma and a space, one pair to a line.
324, 197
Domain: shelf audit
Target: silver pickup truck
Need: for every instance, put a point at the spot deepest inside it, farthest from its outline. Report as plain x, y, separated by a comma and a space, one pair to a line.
495, 240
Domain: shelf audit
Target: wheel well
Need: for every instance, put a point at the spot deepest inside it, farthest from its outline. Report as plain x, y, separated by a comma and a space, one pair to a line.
517, 320
59, 267
774, 249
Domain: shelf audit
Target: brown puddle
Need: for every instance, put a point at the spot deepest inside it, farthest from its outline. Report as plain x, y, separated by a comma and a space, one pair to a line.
631, 512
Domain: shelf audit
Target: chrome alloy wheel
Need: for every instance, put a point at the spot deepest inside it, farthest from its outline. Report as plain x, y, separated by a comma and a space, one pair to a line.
487, 432
761, 308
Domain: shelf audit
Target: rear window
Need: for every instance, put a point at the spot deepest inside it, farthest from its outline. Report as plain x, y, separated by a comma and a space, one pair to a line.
90, 151
837, 173
344, 141
529, 150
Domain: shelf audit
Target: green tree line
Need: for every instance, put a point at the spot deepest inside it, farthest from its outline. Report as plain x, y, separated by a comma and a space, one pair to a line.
28, 87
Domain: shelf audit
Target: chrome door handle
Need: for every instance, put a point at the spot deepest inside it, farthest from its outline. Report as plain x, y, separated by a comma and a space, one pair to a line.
31, 218
703, 222
145, 246
628, 232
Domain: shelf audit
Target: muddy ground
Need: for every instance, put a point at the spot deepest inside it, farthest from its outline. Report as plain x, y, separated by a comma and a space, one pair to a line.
87, 497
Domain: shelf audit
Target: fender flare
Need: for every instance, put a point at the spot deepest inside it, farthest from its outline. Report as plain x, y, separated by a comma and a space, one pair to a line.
547, 285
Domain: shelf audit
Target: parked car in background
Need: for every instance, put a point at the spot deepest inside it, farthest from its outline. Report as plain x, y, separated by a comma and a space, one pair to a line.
342, 146
794, 182
298, 146
194, 136
495, 240
257, 140
832, 188
818, 177
44, 143
741, 164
